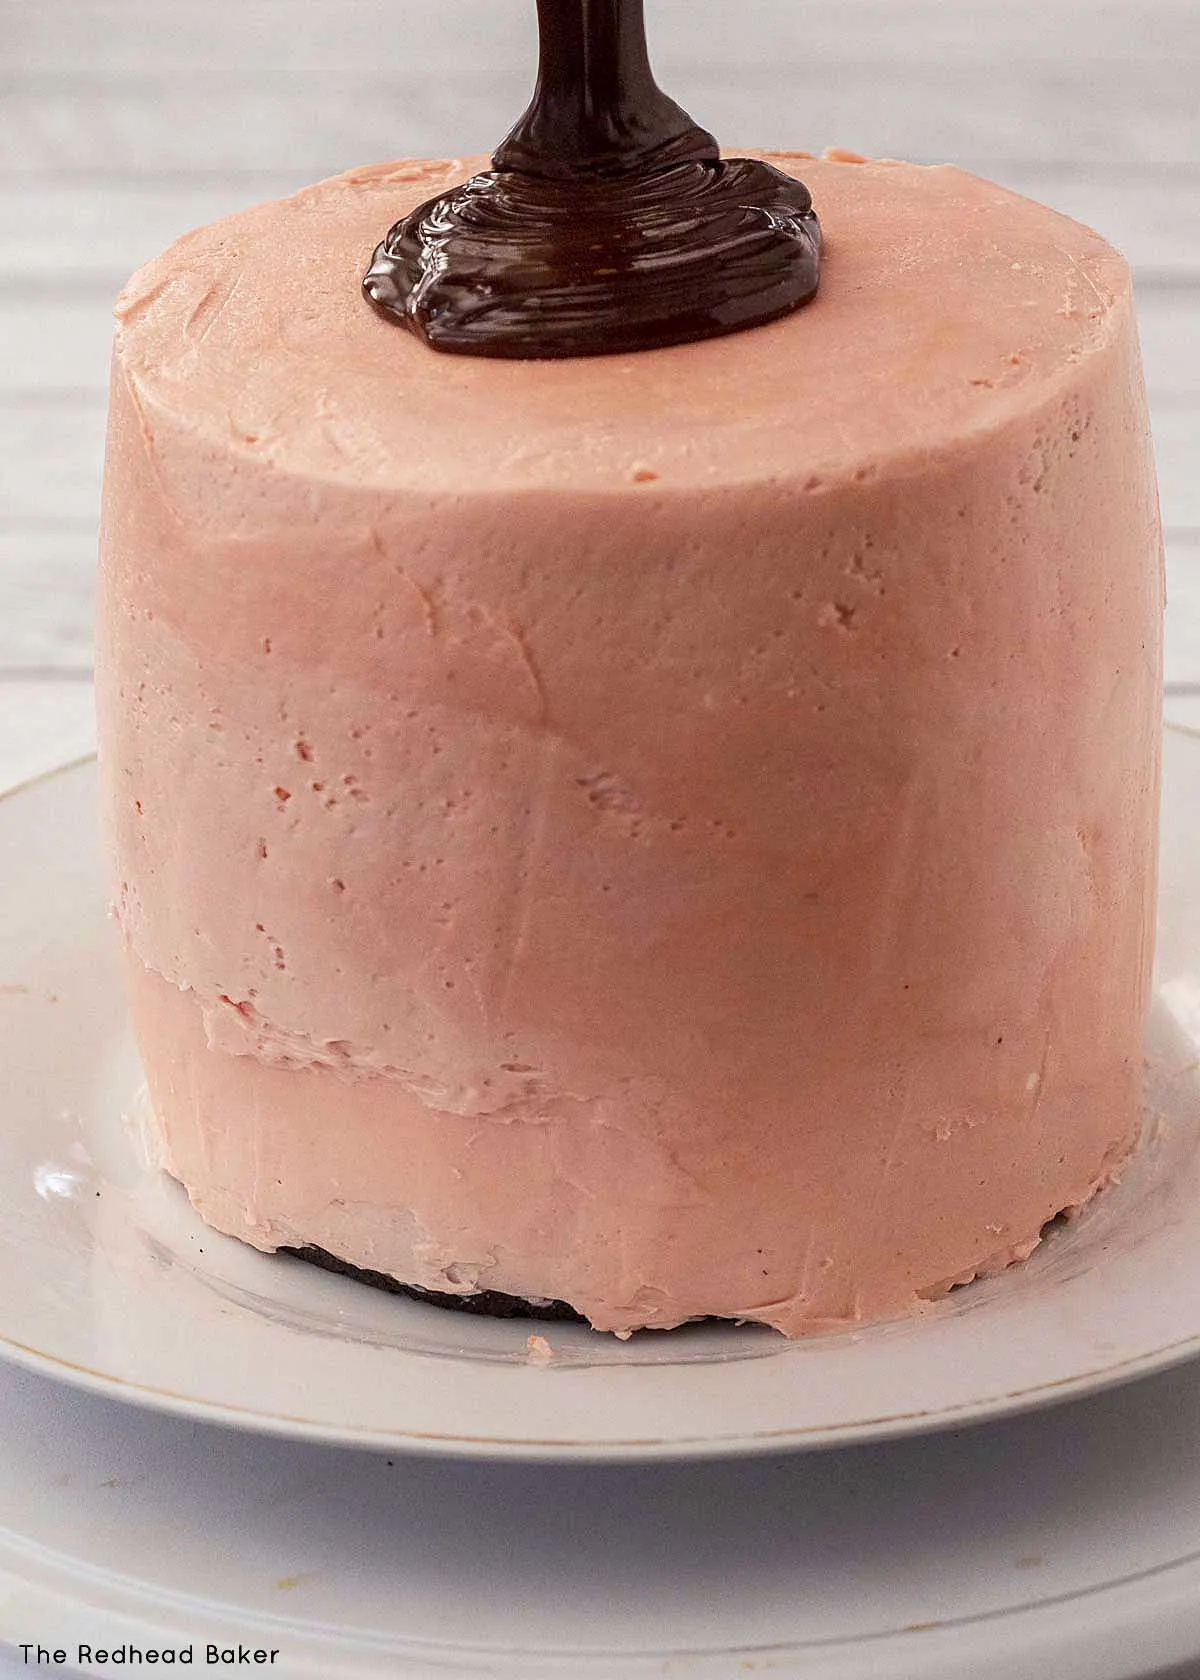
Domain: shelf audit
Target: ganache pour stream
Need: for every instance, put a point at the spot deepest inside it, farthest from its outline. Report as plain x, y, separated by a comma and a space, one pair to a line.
608, 222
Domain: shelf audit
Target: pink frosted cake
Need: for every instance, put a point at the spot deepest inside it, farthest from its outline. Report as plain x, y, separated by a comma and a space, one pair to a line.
671, 833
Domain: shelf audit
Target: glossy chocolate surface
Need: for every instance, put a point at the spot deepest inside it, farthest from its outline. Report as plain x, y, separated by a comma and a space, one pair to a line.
608, 222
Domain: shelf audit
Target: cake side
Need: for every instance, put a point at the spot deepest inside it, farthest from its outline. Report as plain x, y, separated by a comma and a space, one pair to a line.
684, 846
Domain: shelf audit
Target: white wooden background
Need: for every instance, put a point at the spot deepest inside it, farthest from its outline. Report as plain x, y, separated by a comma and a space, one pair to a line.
123, 122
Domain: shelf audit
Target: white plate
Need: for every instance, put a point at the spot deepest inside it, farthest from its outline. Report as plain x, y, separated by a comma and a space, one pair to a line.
1065, 1543
108, 1280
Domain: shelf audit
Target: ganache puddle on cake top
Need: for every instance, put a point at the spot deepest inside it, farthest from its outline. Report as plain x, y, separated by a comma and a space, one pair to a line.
608, 222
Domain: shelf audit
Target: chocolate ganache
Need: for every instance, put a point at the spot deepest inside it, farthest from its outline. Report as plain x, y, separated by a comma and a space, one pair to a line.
608, 222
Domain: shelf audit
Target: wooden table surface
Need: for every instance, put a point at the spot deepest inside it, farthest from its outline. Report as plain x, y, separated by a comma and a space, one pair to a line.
124, 122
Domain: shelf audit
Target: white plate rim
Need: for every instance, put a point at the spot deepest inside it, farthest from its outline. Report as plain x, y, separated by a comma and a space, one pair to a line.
678, 1447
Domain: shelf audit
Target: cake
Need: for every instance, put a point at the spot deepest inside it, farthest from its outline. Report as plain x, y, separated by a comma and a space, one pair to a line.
670, 833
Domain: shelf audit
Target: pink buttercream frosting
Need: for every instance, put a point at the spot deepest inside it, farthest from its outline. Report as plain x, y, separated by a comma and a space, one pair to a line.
670, 832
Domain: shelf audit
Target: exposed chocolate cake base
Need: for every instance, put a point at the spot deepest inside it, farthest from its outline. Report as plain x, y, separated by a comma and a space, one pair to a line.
487, 1303
494, 1303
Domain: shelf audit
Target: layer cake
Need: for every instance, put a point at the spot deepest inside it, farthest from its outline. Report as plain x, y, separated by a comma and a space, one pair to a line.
671, 833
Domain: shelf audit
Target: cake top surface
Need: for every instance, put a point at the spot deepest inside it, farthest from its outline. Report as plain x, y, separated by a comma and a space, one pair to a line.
947, 305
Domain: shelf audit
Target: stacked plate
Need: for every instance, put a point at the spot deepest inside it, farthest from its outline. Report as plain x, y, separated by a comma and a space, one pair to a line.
438, 1495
